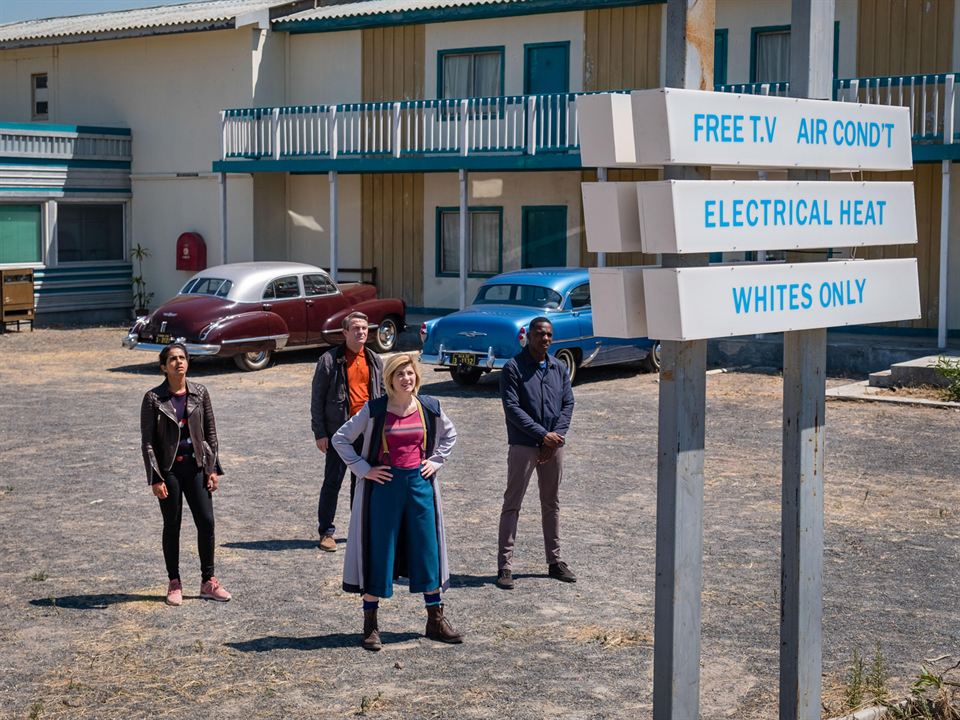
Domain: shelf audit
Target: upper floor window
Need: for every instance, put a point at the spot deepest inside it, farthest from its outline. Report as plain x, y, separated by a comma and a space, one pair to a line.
770, 55
475, 72
40, 99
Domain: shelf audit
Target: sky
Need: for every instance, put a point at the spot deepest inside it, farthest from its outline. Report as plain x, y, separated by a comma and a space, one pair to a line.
17, 10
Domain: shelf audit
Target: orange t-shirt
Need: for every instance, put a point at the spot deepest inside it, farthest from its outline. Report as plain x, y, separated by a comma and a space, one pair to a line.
358, 380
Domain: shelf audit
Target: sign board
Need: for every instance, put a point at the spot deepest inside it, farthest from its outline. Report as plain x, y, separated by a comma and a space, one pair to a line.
696, 303
670, 126
696, 216
616, 294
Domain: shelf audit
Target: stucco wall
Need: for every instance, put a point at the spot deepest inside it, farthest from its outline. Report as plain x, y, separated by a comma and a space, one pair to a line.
512, 33
739, 16
308, 219
324, 68
511, 191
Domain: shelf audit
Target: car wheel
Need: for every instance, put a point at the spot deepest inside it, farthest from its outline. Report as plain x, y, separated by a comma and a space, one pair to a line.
569, 361
253, 360
385, 338
651, 363
465, 375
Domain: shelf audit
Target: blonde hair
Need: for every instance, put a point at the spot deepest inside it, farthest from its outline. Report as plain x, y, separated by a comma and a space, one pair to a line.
395, 363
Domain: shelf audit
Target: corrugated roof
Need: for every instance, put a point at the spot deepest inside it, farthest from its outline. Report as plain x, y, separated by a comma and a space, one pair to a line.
78, 26
384, 7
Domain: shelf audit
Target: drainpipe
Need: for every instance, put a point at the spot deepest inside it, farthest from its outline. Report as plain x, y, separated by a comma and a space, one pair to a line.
948, 106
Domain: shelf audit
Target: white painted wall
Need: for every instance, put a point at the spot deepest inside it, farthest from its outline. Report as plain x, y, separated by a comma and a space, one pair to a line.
511, 191
308, 219
324, 68
512, 33
739, 16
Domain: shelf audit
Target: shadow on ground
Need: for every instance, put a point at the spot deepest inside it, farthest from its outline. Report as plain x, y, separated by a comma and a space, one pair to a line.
317, 642
274, 545
93, 602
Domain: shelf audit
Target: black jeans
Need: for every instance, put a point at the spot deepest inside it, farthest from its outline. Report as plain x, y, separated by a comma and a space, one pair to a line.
333, 471
186, 480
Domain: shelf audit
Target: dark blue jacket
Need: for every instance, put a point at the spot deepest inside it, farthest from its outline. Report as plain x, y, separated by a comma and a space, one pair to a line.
535, 402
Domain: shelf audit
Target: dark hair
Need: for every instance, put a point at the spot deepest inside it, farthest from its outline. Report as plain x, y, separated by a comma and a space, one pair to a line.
355, 315
165, 353
537, 321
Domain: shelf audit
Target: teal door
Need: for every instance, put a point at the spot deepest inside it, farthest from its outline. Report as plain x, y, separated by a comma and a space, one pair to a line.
543, 241
546, 71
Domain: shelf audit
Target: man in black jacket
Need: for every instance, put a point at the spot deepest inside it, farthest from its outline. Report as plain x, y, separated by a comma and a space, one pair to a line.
538, 405
346, 377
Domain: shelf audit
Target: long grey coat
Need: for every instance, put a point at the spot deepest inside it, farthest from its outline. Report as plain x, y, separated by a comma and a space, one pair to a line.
441, 436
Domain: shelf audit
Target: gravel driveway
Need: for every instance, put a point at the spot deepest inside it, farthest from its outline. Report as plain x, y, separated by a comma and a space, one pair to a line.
84, 632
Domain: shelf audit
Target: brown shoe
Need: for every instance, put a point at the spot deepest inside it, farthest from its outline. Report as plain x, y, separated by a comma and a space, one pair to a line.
328, 544
438, 628
371, 633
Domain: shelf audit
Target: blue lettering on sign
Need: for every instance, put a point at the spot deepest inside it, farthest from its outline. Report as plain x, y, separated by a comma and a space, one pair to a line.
782, 297
740, 212
722, 128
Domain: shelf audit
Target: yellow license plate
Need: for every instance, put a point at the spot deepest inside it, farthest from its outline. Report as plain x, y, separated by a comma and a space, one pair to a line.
163, 339
463, 359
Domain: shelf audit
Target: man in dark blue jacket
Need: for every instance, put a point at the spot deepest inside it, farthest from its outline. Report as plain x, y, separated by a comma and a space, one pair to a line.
538, 405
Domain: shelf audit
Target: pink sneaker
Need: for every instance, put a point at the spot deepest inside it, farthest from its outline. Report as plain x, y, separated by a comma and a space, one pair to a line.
212, 590
175, 593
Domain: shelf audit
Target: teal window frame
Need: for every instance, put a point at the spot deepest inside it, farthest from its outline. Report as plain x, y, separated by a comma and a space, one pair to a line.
721, 51
441, 54
439, 239
761, 29
8, 247
565, 44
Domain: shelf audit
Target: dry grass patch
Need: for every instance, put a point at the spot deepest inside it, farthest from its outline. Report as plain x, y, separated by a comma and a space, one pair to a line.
609, 638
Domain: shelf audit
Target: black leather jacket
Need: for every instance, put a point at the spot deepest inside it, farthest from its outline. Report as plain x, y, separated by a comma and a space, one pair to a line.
160, 432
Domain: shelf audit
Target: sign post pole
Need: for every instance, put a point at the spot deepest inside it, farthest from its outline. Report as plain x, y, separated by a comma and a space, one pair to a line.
679, 555
804, 386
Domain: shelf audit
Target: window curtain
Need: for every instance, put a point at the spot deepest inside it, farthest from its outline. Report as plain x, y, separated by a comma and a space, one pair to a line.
486, 75
456, 76
773, 57
484, 242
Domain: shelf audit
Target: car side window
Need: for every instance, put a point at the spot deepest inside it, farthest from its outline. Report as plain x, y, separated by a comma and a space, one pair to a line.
282, 288
318, 285
580, 297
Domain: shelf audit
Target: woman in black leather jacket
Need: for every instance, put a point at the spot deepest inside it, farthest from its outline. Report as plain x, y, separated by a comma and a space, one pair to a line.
179, 440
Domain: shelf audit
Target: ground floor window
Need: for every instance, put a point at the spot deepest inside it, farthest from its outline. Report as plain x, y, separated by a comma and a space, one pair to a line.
89, 232
486, 241
20, 233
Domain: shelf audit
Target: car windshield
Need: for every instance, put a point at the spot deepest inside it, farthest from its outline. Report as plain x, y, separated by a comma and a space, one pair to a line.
525, 295
207, 286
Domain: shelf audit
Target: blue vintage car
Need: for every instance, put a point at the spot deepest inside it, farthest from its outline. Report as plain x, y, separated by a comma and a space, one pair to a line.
483, 336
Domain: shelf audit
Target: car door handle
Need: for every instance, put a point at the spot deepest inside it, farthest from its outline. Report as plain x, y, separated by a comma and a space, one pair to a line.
266, 306
309, 302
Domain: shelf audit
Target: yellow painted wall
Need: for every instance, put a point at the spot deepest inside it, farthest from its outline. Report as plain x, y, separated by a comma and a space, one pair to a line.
622, 48
905, 37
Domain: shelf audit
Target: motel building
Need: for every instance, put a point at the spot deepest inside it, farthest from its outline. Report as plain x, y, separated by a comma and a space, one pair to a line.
355, 131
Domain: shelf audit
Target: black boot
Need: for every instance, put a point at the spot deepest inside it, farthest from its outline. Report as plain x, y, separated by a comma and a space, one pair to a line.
438, 628
371, 633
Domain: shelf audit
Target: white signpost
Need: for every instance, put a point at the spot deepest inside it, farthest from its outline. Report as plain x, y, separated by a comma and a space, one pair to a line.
684, 302
691, 216
671, 126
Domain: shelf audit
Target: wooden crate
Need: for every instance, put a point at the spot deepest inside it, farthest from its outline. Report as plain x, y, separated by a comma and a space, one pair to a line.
16, 297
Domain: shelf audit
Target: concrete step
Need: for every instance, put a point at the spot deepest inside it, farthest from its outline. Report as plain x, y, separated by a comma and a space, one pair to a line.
921, 371
881, 379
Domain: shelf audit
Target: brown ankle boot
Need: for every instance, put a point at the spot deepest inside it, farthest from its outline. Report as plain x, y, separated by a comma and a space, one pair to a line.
438, 628
371, 633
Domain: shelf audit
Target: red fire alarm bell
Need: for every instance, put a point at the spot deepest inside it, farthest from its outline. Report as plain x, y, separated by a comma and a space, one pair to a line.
191, 252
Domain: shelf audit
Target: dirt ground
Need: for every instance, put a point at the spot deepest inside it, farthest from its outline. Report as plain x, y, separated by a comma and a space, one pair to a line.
84, 632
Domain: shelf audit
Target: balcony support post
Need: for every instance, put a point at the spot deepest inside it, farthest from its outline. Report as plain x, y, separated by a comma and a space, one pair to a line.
464, 238
275, 132
332, 177
532, 125
222, 186
396, 130
944, 297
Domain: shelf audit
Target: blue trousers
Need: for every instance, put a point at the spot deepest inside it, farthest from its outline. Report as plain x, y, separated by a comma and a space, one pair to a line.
404, 502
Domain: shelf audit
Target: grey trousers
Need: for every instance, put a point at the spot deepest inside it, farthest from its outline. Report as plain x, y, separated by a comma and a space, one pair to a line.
521, 463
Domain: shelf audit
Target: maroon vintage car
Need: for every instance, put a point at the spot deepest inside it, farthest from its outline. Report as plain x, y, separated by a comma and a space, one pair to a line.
248, 311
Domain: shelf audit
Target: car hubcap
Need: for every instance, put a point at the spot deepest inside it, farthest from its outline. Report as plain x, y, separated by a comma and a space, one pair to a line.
387, 333
255, 357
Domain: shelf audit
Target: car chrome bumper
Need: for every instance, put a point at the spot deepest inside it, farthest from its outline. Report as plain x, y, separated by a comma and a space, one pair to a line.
131, 342
485, 360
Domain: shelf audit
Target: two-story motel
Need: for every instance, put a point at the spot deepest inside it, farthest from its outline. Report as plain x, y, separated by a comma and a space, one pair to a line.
249, 122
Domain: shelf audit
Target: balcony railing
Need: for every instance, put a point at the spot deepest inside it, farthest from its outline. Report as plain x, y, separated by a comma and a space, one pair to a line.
932, 99
522, 124
64, 142
514, 125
